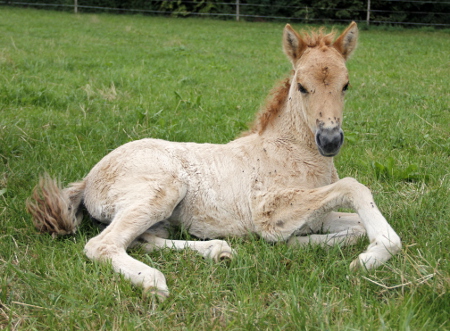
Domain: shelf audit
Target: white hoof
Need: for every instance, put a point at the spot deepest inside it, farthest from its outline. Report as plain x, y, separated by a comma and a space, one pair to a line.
378, 252
224, 256
363, 263
219, 250
153, 281
156, 293
366, 261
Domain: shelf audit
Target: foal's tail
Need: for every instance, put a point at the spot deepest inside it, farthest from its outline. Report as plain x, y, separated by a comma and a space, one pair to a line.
56, 210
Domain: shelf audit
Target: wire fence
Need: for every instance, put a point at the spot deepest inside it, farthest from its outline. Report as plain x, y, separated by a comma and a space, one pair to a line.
238, 9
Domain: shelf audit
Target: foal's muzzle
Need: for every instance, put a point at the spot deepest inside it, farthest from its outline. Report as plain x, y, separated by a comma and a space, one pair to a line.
329, 140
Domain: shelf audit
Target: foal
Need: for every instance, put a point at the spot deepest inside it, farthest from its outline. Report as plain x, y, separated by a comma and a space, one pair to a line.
278, 180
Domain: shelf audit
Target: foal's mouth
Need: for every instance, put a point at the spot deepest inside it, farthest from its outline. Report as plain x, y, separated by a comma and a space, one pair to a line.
329, 141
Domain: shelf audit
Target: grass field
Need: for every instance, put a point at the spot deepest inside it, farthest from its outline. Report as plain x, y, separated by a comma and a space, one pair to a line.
74, 87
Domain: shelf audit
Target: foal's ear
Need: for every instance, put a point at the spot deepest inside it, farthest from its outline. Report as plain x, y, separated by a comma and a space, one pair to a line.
346, 42
293, 45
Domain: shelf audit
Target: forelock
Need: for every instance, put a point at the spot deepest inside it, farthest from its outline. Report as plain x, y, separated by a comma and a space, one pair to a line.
317, 38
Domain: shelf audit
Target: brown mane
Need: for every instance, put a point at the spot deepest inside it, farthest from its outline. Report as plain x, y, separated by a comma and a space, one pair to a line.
272, 108
315, 38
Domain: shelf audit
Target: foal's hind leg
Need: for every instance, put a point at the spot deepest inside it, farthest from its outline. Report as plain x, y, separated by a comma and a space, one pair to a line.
336, 228
128, 223
213, 249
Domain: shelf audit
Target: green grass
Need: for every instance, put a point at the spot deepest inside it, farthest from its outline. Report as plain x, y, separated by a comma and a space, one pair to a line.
73, 88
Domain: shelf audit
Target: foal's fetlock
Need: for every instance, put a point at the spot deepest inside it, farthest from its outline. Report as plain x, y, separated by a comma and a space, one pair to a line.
299, 241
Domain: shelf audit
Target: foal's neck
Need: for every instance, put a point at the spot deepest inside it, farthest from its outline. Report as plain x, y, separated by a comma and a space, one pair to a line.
290, 127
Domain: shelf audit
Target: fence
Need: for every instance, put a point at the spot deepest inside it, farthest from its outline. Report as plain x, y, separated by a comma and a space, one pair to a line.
239, 9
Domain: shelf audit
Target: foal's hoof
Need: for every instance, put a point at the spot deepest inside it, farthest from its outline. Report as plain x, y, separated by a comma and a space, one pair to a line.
156, 293
219, 250
365, 262
225, 256
355, 265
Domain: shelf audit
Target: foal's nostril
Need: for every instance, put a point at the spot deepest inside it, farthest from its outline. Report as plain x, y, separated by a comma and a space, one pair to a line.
318, 140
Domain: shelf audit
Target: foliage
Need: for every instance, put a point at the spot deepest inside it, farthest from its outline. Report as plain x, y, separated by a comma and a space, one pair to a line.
423, 12
390, 170
74, 87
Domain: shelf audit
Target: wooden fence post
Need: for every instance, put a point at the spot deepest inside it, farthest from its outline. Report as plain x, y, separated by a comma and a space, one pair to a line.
368, 12
75, 6
237, 10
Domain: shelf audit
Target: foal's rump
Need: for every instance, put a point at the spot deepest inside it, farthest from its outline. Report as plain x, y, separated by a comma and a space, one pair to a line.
141, 171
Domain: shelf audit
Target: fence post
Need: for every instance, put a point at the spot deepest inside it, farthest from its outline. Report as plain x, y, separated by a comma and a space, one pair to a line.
75, 6
368, 12
237, 10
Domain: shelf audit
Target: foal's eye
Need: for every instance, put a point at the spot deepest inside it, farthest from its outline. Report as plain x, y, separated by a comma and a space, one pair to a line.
345, 88
302, 89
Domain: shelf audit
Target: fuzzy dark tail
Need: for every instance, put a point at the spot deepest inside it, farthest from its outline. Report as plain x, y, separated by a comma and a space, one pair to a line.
56, 210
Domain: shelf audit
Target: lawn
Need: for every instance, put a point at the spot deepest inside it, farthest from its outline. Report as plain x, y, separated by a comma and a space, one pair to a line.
74, 87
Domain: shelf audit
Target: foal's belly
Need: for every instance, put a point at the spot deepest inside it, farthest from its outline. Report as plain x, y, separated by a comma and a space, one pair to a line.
210, 217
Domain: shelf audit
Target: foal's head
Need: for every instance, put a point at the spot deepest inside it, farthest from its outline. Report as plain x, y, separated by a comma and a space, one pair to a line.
320, 81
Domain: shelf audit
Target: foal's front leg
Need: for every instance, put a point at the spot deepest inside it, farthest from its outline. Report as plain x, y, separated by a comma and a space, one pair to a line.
307, 208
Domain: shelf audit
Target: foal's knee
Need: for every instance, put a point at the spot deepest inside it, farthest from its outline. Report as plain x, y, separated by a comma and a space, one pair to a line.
354, 189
